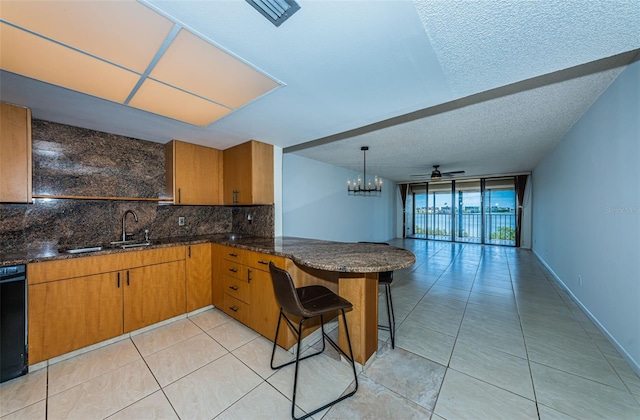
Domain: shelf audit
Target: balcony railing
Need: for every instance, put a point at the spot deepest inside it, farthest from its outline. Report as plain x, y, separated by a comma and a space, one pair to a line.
500, 228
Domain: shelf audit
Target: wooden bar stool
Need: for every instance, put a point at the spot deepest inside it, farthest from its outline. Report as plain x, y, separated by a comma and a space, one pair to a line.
308, 302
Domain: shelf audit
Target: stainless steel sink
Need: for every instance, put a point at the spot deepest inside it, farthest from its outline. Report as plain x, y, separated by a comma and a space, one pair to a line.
81, 250
133, 245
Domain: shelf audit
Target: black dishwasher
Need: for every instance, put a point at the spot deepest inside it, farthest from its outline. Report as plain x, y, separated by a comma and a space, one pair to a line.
13, 322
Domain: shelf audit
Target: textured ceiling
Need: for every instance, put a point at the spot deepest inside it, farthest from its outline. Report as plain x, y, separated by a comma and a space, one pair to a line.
477, 86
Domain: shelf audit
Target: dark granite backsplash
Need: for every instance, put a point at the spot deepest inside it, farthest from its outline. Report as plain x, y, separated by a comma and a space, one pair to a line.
71, 161
76, 161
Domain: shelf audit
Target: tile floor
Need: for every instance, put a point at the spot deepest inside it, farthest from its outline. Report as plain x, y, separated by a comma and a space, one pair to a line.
483, 332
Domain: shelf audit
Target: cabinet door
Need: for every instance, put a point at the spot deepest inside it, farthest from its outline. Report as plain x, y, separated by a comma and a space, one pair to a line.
198, 276
265, 308
248, 170
15, 154
70, 314
153, 293
196, 176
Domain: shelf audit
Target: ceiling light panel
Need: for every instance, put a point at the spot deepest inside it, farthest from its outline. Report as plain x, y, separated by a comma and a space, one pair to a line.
126, 33
173, 103
35, 57
197, 66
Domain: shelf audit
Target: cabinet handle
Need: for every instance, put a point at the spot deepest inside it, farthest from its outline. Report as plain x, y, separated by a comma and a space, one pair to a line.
233, 308
233, 270
118, 280
248, 276
233, 287
189, 251
127, 278
233, 255
263, 262
179, 195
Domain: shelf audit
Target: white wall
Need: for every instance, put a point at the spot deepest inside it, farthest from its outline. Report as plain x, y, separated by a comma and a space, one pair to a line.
586, 215
315, 204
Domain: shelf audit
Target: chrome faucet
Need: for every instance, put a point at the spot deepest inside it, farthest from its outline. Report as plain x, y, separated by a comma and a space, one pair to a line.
124, 223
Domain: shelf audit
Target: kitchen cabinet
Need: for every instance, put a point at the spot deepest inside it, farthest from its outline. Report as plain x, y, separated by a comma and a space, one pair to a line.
193, 173
81, 301
15, 154
152, 294
248, 174
198, 276
242, 284
67, 315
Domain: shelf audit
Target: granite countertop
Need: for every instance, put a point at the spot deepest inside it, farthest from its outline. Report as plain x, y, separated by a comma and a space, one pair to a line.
344, 257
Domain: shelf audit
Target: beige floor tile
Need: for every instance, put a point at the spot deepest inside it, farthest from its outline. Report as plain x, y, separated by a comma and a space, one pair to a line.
464, 397
37, 411
443, 291
172, 363
374, 401
503, 370
165, 336
154, 407
232, 335
506, 340
263, 402
407, 374
628, 375
105, 395
547, 413
79, 369
580, 397
320, 380
433, 345
23, 391
211, 389
210, 319
574, 357
446, 321
257, 355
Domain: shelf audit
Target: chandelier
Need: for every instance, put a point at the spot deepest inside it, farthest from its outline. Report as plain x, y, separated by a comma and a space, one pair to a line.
362, 185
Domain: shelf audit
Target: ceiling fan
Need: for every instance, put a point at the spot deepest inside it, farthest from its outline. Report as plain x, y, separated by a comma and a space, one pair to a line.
436, 174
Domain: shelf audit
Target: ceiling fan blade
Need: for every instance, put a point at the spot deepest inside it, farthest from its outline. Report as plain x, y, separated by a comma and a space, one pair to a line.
452, 172
420, 175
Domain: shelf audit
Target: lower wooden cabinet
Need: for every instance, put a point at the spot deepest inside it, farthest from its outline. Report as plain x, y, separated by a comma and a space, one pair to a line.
69, 307
70, 314
242, 288
198, 275
152, 294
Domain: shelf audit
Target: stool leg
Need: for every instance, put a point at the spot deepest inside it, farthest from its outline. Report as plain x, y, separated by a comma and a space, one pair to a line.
391, 315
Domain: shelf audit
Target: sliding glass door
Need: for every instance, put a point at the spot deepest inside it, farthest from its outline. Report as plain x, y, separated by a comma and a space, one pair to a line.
500, 211
468, 211
476, 211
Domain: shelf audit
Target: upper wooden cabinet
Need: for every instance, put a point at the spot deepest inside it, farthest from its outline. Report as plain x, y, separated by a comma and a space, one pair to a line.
194, 173
15, 154
248, 174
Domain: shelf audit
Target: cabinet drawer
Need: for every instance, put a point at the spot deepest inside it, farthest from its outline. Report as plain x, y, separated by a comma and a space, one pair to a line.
236, 288
234, 269
233, 254
260, 261
236, 308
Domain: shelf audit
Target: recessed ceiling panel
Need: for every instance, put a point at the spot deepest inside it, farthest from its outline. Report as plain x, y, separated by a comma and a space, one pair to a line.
123, 32
35, 57
199, 67
173, 103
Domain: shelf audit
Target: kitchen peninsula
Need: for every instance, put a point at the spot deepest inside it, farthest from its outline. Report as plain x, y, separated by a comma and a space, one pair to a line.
350, 269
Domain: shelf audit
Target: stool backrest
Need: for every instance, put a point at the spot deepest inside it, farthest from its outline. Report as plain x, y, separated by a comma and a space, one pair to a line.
285, 290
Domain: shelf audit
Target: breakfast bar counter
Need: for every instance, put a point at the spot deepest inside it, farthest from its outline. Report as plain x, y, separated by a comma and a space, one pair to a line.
350, 269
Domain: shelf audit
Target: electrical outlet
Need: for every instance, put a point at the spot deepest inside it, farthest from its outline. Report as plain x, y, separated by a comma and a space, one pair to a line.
181, 221
579, 279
